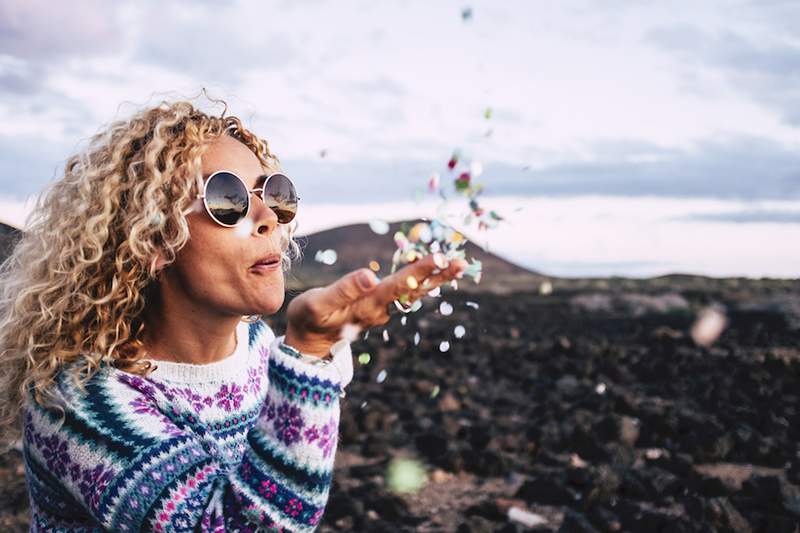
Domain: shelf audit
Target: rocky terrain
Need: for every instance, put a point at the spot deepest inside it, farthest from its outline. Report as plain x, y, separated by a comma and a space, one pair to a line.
588, 408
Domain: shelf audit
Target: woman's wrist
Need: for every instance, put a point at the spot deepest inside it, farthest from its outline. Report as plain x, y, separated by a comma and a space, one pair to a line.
313, 347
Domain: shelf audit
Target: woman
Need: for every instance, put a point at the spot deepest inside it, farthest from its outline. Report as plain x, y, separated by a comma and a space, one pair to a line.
147, 402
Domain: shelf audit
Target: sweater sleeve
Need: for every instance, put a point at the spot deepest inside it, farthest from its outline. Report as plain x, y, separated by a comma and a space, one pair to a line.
129, 459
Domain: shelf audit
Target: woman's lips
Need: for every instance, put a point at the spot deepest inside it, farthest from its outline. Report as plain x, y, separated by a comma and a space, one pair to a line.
266, 267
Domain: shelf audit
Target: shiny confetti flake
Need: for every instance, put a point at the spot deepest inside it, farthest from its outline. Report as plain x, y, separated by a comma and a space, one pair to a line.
385, 336
600, 388
475, 169
445, 309
374, 266
364, 358
412, 282
435, 391
405, 476
381, 227
420, 232
487, 113
444, 346
433, 182
459, 331
416, 338
416, 306
709, 325
381, 377
435, 293
545, 288
326, 257
403, 320
473, 305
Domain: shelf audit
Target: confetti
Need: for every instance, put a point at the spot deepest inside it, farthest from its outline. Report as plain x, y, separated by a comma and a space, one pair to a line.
708, 326
381, 376
405, 475
475, 169
412, 282
381, 227
364, 358
434, 293
416, 338
444, 346
435, 391
600, 388
473, 305
364, 404
326, 257
420, 232
466, 14
487, 113
403, 320
459, 331
416, 306
545, 288
374, 266
323, 153
445, 309
433, 182
385, 336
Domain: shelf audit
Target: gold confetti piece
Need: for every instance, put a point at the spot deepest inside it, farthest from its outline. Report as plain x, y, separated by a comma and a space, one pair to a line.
412, 282
374, 266
364, 358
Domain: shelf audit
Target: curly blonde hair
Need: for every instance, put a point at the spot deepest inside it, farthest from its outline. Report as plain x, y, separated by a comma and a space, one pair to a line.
74, 290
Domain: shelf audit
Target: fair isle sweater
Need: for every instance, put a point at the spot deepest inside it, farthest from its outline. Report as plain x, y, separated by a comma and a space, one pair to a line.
243, 444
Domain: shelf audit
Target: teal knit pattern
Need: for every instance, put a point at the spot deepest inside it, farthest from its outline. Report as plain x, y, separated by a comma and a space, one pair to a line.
245, 444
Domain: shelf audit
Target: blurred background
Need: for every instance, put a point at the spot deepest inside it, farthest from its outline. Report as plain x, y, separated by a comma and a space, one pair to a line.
632, 139
630, 360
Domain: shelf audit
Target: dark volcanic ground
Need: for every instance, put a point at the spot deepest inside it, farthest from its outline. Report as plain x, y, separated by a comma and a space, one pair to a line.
591, 408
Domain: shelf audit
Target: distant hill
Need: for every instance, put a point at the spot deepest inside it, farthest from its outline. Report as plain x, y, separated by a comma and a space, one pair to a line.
356, 245
9, 235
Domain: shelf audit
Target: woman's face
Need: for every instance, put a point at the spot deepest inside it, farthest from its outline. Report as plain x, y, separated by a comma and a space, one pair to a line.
216, 266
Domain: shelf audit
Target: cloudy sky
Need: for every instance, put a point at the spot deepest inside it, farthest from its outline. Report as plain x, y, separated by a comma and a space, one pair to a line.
625, 138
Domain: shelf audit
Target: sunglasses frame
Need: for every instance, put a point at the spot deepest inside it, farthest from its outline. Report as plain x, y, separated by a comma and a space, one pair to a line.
260, 191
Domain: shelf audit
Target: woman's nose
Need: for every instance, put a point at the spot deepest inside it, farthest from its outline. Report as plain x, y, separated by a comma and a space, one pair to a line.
265, 220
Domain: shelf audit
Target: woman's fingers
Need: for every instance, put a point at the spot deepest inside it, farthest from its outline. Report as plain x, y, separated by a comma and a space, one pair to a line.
413, 282
346, 290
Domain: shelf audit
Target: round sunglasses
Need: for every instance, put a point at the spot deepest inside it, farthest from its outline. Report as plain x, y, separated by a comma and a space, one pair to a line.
227, 198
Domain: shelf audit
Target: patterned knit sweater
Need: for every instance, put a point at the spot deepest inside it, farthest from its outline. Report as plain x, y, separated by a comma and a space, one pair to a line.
243, 444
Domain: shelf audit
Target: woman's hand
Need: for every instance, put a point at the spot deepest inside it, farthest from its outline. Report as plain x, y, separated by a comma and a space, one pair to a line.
316, 317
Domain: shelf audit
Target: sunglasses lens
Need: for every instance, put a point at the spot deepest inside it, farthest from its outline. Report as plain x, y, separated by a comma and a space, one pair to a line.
281, 196
226, 198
